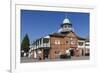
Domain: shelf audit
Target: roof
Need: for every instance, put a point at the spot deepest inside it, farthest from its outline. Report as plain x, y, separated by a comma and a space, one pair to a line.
47, 36
66, 20
62, 34
67, 32
87, 39
81, 38
57, 34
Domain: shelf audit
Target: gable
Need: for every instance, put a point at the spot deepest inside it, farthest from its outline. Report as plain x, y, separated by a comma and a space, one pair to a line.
71, 34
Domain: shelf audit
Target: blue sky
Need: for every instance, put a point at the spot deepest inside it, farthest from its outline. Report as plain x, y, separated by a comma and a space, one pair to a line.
41, 23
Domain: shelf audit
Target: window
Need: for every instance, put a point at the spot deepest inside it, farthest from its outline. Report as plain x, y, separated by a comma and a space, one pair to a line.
80, 43
86, 44
57, 41
65, 26
71, 39
66, 42
69, 26
45, 40
72, 42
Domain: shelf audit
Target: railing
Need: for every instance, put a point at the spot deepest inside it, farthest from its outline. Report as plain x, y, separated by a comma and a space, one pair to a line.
41, 45
48, 45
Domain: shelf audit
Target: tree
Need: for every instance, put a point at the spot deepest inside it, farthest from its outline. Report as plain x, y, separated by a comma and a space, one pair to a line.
25, 44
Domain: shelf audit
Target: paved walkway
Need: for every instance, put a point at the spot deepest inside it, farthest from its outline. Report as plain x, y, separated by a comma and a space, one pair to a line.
28, 60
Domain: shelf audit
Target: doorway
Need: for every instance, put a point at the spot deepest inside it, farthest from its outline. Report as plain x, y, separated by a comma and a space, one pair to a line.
45, 53
72, 52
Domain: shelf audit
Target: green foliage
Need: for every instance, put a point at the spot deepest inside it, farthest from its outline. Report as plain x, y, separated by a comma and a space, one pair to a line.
25, 43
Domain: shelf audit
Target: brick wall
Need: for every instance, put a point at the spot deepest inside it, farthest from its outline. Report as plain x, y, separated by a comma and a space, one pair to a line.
64, 44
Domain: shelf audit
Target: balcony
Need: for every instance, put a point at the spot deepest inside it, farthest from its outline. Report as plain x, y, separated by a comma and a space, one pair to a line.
41, 45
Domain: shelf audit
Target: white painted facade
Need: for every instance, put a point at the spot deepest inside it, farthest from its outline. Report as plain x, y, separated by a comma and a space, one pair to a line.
39, 43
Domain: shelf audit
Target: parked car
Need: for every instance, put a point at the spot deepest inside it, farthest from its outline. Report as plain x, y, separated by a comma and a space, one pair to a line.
65, 56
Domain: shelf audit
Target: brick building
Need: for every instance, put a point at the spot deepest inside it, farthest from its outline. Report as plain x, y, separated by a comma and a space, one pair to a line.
61, 42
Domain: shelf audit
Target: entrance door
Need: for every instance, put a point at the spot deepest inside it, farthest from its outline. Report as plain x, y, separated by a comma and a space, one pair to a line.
72, 52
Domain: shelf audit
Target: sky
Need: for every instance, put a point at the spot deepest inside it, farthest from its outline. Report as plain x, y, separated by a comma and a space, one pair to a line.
41, 23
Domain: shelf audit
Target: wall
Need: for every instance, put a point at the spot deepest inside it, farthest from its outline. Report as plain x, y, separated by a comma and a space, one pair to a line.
56, 47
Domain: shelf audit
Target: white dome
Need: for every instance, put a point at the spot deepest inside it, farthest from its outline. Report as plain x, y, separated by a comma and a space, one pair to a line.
66, 20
